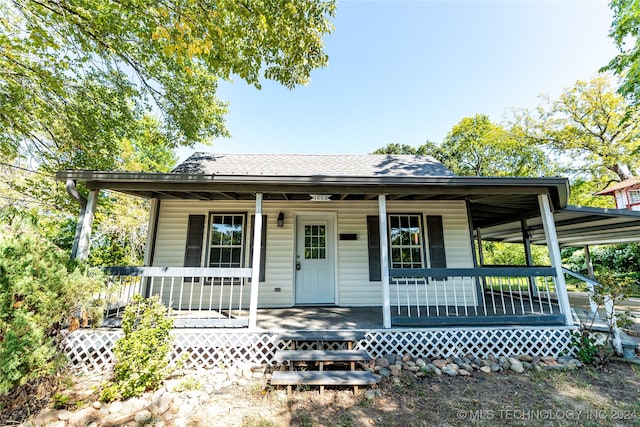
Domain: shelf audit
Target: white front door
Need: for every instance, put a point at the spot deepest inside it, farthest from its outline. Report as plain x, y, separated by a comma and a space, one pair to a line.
315, 260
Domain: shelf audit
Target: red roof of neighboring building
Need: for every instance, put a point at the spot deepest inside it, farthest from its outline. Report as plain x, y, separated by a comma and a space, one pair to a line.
631, 182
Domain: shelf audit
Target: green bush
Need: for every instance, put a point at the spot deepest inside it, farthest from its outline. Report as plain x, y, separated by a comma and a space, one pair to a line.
40, 289
142, 355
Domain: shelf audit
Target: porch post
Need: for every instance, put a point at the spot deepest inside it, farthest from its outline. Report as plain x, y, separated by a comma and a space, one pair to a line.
384, 261
87, 223
255, 271
587, 259
152, 231
480, 285
554, 254
526, 240
480, 252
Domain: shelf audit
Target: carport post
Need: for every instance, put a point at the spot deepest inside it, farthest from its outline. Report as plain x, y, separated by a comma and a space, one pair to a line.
554, 254
84, 243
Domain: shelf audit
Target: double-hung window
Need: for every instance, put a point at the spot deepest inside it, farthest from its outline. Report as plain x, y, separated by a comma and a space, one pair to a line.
226, 243
406, 241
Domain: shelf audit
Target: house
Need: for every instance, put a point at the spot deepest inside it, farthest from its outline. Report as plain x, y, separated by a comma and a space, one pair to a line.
626, 194
233, 237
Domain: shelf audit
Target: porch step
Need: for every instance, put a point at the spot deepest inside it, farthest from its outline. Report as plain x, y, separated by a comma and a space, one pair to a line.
334, 336
322, 355
323, 378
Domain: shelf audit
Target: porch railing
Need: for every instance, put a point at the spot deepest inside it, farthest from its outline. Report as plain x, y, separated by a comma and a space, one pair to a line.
196, 297
474, 296
593, 319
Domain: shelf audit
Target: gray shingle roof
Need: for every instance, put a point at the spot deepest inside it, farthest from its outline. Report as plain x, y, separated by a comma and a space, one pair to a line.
365, 165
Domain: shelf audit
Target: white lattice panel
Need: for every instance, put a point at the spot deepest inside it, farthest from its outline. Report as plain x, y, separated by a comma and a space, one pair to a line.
447, 342
91, 350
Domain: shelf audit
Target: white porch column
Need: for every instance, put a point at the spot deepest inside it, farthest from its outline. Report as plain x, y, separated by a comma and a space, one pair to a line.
255, 271
87, 223
151, 231
384, 261
554, 254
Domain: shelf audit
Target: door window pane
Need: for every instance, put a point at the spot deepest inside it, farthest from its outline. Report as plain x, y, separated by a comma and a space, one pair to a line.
315, 242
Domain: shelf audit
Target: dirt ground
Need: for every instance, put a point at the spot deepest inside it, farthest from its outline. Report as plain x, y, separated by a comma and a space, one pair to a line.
605, 396
608, 396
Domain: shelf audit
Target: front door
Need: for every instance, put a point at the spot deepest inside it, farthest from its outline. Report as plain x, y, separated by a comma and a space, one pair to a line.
315, 260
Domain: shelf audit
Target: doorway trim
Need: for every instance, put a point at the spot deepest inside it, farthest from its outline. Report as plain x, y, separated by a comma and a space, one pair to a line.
333, 217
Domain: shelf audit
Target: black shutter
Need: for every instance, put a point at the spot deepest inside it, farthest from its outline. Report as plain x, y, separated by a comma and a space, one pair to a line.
373, 237
436, 242
263, 246
193, 250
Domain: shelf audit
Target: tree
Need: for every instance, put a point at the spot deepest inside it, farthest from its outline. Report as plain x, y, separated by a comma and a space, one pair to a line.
591, 128
478, 147
395, 148
86, 74
119, 85
625, 31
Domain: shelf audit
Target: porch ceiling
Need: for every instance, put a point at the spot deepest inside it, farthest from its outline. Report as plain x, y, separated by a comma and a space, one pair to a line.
575, 226
492, 200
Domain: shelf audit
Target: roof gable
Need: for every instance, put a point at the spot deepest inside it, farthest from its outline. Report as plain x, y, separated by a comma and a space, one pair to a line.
367, 165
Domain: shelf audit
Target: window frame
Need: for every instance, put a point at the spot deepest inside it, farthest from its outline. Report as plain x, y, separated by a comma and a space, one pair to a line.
243, 246
635, 192
424, 260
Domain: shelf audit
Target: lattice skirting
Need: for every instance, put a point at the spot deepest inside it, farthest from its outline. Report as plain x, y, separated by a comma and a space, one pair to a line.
91, 350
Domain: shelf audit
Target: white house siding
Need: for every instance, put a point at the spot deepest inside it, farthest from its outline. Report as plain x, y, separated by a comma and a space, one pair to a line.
352, 268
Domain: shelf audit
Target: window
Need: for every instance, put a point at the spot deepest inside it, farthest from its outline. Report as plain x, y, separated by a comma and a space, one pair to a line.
634, 196
315, 242
405, 241
226, 247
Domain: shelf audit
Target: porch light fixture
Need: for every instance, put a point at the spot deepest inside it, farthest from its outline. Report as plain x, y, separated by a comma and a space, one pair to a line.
281, 219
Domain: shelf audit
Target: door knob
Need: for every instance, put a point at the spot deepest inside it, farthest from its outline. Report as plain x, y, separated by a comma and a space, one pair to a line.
297, 266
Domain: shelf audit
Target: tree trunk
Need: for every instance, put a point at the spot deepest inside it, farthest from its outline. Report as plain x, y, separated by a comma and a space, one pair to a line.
621, 170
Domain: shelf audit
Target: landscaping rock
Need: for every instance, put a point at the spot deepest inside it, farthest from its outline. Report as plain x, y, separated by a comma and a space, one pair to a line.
440, 363
464, 372
65, 415
515, 365
115, 407
143, 417
564, 359
432, 368
391, 358
383, 362
485, 369
83, 417
449, 371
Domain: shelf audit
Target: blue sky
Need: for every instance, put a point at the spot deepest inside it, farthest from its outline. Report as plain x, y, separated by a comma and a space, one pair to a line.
408, 71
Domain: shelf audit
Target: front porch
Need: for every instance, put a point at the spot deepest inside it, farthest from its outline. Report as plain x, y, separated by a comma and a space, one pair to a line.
213, 298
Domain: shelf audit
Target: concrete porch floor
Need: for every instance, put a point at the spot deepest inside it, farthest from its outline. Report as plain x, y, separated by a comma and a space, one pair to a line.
320, 318
332, 318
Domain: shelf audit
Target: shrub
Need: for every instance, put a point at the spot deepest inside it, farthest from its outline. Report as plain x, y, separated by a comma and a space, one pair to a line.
40, 289
142, 355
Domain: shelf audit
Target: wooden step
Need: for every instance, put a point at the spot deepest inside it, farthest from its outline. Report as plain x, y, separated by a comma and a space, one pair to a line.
334, 336
323, 378
322, 355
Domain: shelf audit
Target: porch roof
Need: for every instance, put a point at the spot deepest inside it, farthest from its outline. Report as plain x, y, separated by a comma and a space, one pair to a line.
575, 226
492, 199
